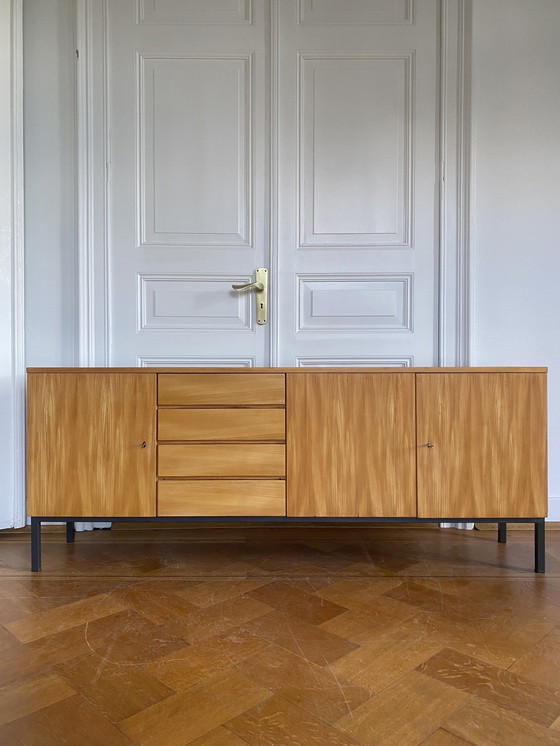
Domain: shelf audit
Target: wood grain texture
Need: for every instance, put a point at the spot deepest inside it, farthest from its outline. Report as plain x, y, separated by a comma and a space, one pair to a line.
276, 721
217, 636
534, 702
188, 715
184, 668
405, 713
221, 424
225, 497
310, 642
442, 737
315, 689
226, 460
59, 619
234, 389
351, 445
22, 698
302, 604
82, 675
85, 454
543, 661
483, 723
69, 721
490, 452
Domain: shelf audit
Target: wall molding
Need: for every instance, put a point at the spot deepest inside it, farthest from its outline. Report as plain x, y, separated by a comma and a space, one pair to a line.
92, 167
273, 42
198, 361
455, 265
400, 284
352, 361
146, 13
344, 17
148, 285
12, 323
401, 237
148, 203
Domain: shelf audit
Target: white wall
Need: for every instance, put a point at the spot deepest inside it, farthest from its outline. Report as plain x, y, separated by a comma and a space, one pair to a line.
50, 182
516, 195
515, 208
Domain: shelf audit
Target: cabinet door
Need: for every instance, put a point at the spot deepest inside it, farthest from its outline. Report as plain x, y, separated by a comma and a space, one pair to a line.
85, 444
351, 444
488, 432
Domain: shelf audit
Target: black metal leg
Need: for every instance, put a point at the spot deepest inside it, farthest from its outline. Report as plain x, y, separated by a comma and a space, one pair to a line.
539, 545
35, 544
502, 532
70, 531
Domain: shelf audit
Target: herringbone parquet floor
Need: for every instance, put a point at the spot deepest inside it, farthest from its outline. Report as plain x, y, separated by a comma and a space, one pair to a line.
299, 636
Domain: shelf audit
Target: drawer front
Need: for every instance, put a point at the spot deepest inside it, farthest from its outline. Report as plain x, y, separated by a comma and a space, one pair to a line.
227, 497
231, 460
221, 389
221, 424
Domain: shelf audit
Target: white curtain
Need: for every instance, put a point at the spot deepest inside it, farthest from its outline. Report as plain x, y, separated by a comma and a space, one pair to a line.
89, 526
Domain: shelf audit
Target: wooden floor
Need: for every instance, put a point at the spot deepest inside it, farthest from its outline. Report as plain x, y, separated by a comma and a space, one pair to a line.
311, 636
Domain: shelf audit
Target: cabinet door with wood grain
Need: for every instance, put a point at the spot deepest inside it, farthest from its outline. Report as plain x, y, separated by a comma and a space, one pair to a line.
482, 445
351, 445
91, 444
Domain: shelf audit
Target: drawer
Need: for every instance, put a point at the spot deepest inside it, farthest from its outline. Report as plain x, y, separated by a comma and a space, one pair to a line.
231, 460
225, 497
221, 424
221, 389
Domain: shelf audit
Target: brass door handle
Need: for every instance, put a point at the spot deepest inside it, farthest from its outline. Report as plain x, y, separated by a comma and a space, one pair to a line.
257, 285
261, 292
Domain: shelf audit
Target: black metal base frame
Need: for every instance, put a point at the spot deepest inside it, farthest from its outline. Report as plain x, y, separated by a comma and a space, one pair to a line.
37, 521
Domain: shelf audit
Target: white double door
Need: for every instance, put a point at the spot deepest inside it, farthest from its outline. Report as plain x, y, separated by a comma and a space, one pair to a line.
296, 135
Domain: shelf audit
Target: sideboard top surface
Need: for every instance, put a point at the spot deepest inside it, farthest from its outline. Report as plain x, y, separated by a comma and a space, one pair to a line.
305, 370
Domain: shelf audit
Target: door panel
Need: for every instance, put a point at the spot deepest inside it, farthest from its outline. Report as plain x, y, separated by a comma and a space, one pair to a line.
488, 432
187, 193
355, 116
293, 135
351, 445
195, 189
103, 467
357, 182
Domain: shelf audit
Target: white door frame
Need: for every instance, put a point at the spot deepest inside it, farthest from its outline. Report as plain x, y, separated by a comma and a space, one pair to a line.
454, 275
455, 260
12, 357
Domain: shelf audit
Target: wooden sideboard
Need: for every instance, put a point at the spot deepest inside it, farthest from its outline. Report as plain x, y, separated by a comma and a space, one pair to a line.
281, 444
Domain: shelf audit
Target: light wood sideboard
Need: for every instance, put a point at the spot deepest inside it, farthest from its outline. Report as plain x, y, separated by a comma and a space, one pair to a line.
287, 444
